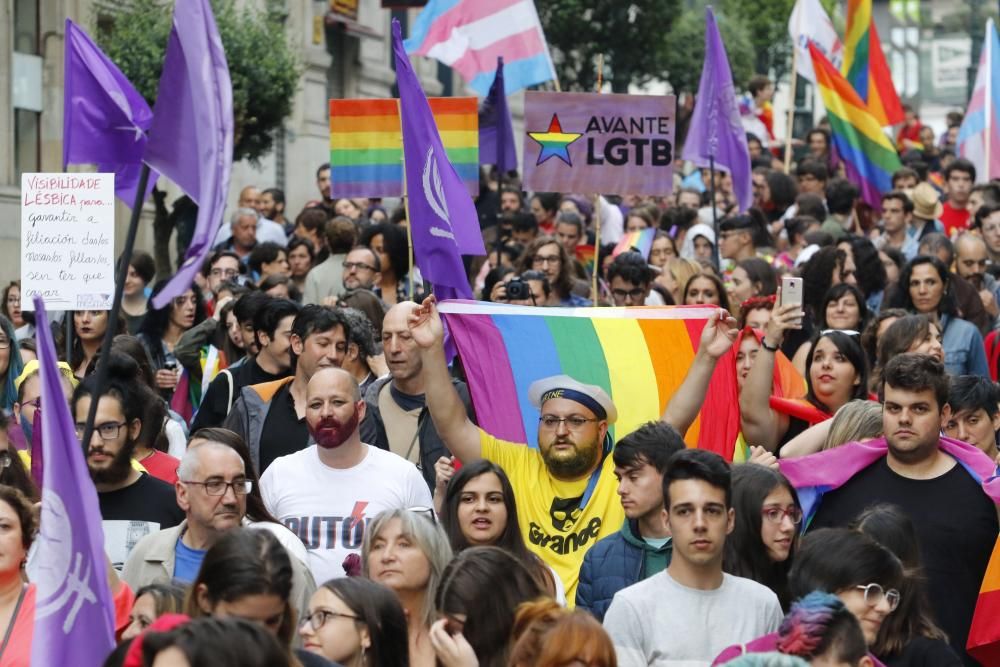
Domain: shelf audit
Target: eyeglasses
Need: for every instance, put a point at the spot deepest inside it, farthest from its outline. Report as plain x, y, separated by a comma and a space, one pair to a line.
635, 294
217, 487
575, 423
348, 266
846, 332
224, 273
426, 512
874, 594
107, 430
318, 618
4, 343
777, 515
540, 260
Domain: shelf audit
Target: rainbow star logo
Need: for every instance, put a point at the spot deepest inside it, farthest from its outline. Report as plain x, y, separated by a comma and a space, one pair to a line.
554, 142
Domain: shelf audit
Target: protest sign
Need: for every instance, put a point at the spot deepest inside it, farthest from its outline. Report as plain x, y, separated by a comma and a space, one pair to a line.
68, 240
366, 144
590, 143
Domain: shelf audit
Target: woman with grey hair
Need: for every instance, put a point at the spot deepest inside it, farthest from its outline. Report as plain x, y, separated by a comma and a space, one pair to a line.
407, 550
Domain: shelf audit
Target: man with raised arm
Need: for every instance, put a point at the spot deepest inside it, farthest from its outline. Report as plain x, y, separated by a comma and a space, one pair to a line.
566, 489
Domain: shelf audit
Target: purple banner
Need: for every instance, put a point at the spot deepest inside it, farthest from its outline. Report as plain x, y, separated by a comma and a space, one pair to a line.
589, 143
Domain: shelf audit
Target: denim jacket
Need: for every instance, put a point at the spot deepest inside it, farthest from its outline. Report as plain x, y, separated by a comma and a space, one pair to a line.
964, 353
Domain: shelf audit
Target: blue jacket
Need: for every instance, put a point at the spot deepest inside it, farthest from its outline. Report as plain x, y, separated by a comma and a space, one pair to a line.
964, 353
614, 563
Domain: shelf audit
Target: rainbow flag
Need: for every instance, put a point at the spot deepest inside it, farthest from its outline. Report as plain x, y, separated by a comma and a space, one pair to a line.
868, 154
984, 633
865, 66
587, 255
638, 355
366, 144
640, 241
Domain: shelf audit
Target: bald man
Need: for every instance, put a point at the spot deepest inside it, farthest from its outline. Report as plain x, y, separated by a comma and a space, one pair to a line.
327, 492
971, 260
397, 417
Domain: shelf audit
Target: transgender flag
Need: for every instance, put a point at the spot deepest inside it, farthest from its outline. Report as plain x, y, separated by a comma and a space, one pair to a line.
981, 120
469, 36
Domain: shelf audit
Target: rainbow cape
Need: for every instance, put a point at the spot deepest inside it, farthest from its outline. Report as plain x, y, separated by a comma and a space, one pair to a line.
865, 66
868, 154
640, 241
366, 144
814, 475
638, 355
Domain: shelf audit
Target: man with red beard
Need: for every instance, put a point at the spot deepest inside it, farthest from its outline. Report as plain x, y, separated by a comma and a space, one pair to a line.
328, 492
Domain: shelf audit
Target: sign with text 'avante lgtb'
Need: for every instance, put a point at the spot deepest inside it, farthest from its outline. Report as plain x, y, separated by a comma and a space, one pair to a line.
589, 143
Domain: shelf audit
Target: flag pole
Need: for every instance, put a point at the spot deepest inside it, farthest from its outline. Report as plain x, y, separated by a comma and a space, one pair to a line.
988, 101
790, 117
717, 257
116, 304
597, 205
406, 207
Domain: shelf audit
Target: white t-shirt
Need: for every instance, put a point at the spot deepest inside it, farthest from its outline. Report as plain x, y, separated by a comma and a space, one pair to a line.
660, 622
328, 508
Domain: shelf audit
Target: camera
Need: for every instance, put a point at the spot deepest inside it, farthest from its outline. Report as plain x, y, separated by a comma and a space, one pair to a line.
518, 290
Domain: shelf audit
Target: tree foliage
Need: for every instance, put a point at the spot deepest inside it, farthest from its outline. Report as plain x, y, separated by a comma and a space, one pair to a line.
766, 22
263, 68
629, 34
685, 50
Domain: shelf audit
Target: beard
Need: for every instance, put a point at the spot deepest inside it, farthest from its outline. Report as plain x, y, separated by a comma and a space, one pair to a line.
570, 464
330, 432
119, 468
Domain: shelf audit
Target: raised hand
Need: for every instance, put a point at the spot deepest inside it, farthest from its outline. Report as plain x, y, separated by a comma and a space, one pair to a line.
719, 334
782, 319
425, 324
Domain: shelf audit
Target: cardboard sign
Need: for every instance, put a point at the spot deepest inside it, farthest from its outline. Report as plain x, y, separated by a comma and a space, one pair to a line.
588, 143
68, 240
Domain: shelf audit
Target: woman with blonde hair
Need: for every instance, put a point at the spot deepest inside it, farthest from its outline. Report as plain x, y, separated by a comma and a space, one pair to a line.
856, 421
407, 550
676, 274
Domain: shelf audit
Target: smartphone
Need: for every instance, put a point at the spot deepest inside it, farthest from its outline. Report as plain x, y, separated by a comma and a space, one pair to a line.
791, 290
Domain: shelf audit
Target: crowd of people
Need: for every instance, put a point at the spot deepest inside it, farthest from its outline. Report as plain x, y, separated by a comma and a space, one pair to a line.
290, 472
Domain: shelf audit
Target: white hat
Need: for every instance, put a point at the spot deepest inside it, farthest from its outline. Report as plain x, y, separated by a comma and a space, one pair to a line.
590, 396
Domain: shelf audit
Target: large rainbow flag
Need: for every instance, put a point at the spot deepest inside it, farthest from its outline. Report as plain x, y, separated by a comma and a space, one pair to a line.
638, 355
865, 66
868, 154
640, 241
366, 144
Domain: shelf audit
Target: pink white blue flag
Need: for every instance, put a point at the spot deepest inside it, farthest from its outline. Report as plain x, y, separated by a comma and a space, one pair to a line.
469, 36
982, 118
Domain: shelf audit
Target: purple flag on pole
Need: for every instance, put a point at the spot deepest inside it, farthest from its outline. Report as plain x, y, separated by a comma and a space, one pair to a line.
496, 134
191, 140
716, 130
74, 610
443, 219
104, 118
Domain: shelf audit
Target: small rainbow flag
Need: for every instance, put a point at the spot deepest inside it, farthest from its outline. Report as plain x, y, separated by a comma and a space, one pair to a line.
865, 66
638, 355
640, 241
587, 255
869, 157
984, 633
366, 144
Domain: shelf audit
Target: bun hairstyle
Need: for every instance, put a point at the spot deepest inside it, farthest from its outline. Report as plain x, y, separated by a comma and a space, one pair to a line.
124, 383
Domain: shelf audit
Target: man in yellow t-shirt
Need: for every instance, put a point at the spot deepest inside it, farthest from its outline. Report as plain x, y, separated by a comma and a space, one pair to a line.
565, 490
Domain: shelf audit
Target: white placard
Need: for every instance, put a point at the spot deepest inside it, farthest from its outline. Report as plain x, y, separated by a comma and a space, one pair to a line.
68, 240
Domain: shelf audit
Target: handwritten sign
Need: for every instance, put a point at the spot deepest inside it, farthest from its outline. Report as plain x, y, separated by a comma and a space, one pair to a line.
68, 240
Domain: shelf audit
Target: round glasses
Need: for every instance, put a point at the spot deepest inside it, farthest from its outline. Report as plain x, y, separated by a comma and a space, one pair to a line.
874, 594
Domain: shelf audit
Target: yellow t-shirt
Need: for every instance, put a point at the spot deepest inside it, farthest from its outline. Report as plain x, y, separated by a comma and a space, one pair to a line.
548, 509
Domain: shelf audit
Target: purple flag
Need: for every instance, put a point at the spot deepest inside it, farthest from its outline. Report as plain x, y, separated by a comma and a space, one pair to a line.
191, 140
443, 219
496, 134
104, 118
74, 610
716, 130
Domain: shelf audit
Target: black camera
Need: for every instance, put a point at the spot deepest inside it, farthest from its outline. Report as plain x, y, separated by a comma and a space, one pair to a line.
518, 290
